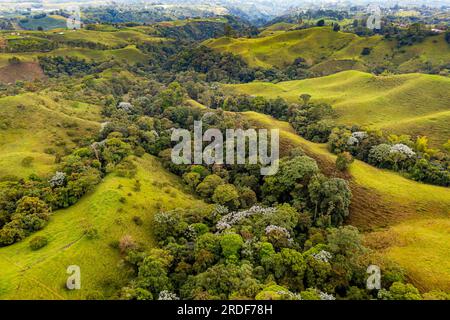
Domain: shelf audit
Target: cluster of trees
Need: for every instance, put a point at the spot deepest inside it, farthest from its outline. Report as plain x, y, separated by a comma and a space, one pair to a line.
260, 253
58, 66
202, 30
314, 121
29, 44
398, 153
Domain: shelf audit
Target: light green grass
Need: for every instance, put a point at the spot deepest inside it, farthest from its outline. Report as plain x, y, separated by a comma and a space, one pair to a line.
47, 23
329, 52
33, 123
421, 247
129, 54
110, 39
314, 45
41, 274
409, 104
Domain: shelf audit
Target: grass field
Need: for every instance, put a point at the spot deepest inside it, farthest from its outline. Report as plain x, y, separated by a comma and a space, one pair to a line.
415, 104
328, 52
114, 39
410, 219
41, 274
47, 23
129, 54
32, 125
282, 49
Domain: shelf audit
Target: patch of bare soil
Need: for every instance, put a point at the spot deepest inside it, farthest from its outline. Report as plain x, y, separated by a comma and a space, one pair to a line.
24, 71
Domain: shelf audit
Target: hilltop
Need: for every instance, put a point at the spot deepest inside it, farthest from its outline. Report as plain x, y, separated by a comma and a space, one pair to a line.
327, 51
415, 104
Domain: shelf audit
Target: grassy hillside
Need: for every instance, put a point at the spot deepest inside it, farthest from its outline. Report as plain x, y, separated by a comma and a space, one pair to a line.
41, 274
34, 125
46, 23
405, 216
414, 104
111, 38
282, 49
329, 52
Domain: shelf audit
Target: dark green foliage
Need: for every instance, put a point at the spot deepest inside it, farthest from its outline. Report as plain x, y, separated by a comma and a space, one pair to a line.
69, 66
366, 51
38, 242
343, 161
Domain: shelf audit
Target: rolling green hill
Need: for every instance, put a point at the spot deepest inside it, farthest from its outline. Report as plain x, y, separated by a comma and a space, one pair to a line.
329, 52
415, 104
401, 216
41, 274
35, 125
46, 23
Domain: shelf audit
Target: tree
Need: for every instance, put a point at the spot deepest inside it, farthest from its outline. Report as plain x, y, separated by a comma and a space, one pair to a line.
14, 61
336, 27
209, 184
366, 51
380, 156
226, 195
305, 98
288, 266
27, 161
400, 291
192, 179
247, 197
231, 244
32, 213
343, 161
153, 272
320, 23
331, 198
292, 177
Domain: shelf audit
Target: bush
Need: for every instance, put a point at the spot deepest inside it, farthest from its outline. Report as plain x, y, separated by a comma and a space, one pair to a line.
126, 243
138, 220
226, 195
27, 162
38, 242
366, 51
91, 232
343, 161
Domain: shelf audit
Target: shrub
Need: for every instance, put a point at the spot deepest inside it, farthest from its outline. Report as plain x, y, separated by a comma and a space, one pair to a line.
366, 51
27, 162
343, 161
38, 242
126, 243
226, 195
138, 220
90, 232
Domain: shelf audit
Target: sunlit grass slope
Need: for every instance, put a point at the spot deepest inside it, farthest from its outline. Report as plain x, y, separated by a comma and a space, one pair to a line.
27, 274
417, 104
414, 218
329, 52
34, 125
282, 49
